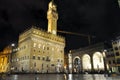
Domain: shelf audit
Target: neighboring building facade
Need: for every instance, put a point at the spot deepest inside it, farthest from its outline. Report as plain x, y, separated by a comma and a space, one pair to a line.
90, 59
116, 49
110, 59
41, 51
5, 60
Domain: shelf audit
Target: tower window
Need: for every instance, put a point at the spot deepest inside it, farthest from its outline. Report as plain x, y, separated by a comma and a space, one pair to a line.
117, 53
38, 58
33, 57
113, 61
43, 58
109, 62
58, 60
34, 50
116, 48
61, 51
47, 48
118, 61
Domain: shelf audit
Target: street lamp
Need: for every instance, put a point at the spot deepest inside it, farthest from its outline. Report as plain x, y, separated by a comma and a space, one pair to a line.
10, 59
12, 44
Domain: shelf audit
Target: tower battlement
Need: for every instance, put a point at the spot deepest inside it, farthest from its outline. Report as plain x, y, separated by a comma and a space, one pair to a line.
42, 33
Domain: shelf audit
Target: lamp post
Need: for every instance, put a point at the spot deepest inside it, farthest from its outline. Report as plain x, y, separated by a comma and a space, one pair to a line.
11, 67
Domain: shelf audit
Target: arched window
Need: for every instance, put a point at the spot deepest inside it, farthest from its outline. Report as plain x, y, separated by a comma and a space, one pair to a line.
86, 61
98, 63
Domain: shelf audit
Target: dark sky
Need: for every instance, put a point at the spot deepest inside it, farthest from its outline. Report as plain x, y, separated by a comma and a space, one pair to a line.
100, 18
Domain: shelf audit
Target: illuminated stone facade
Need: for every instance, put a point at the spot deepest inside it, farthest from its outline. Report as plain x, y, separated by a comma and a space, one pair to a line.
90, 59
110, 59
39, 51
5, 60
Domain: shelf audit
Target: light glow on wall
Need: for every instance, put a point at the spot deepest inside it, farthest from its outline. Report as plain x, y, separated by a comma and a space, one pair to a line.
98, 63
86, 62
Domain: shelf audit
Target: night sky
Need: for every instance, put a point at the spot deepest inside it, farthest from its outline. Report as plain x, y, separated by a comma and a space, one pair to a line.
100, 18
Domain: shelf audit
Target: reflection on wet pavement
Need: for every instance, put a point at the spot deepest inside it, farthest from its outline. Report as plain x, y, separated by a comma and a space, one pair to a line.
61, 77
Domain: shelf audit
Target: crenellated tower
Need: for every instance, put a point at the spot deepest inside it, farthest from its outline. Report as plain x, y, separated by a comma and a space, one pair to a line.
52, 16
